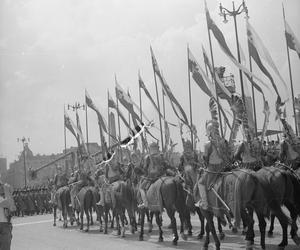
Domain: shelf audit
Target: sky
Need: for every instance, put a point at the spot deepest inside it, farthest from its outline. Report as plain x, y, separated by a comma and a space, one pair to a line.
52, 50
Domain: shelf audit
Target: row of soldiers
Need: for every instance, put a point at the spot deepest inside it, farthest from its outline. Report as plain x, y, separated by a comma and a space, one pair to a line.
31, 201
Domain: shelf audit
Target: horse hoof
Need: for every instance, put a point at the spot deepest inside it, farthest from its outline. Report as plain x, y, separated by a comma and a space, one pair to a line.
183, 236
81, 228
150, 227
72, 223
221, 236
249, 245
54, 224
200, 236
161, 239
234, 230
190, 233
141, 238
86, 230
296, 239
270, 234
101, 230
105, 232
175, 243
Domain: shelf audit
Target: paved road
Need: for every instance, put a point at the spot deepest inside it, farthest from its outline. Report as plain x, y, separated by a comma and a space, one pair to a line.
37, 233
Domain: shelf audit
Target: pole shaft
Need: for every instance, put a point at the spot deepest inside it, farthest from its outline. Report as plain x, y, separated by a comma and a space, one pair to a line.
253, 97
291, 78
86, 127
65, 132
213, 77
108, 119
24, 157
158, 106
238, 52
190, 98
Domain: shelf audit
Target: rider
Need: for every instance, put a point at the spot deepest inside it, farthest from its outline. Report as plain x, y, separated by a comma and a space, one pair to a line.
60, 180
250, 154
288, 155
113, 173
189, 156
215, 161
155, 166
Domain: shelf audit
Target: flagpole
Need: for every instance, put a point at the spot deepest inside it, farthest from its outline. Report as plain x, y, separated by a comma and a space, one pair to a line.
164, 112
118, 117
158, 106
108, 119
290, 73
253, 96
141, 113
213, 77
86, 127
190, 98
65, 133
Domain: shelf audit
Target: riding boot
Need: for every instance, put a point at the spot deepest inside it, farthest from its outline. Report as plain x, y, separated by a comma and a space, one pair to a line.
203, 203
144, 199
101, 201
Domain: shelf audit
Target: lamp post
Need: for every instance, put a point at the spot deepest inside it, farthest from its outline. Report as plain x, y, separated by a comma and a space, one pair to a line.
25, 142
234, 13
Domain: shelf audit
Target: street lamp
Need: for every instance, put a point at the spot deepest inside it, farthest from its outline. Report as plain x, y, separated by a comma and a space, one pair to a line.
234, 13
25, 142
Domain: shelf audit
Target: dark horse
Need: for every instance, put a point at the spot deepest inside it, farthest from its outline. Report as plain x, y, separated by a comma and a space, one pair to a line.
172, 195
282, 187
240, 190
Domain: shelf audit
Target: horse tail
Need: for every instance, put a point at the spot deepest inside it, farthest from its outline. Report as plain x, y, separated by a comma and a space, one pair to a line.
272, 202
179, 200
88, 200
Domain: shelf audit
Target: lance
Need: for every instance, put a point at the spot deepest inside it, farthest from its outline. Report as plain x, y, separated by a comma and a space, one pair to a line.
211, 187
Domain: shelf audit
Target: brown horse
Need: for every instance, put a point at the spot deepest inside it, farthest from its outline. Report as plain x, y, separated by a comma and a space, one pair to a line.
172, 195
281, 187
240, 190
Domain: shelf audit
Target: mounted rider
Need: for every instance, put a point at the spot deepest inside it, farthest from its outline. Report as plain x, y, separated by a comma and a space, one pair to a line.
60, 180
289, 147
189, 156
113, 173
216, 159
250, 154
155, 166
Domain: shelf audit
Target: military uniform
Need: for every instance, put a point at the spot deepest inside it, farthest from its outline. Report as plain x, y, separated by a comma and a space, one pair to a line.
250, 154
288, 155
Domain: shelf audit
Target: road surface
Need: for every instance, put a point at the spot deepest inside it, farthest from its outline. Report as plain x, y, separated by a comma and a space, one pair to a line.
38, 233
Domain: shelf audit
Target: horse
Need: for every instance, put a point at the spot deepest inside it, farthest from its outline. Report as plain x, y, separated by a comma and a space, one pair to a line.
85, 199
282, 187
190, 176
172, 196
240, 191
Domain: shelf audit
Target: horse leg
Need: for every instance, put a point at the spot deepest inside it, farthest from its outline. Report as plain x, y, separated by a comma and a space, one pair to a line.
284, 224
220, 229
87, 215
189, 224
123, 219
54, 216
201, 218
249, 223
81, 219
171, 214
262, 228
210, 227
270, 232
206, 242
159, 224
294, 227
118, 223
142, 220
182, 223
106, 212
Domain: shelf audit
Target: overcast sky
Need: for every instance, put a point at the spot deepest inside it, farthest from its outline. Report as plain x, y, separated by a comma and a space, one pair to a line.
51, 50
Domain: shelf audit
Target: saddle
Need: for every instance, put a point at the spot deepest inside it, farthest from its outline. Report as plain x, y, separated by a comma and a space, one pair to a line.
154, 197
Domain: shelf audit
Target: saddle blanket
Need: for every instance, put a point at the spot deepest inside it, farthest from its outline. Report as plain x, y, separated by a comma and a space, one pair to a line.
154, 198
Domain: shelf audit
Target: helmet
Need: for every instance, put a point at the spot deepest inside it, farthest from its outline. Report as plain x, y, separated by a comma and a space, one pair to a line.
187, 146
154, 148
